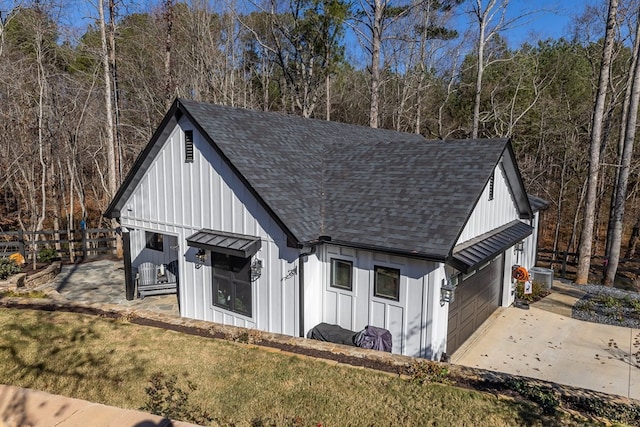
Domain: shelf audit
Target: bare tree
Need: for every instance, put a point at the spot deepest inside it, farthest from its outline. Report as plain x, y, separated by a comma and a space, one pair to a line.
486, 16
168, 20
584, 259
628, 137
112, 185
116, 98
375, 15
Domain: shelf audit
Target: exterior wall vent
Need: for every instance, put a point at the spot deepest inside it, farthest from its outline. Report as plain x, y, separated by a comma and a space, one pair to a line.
188, 146
492, 184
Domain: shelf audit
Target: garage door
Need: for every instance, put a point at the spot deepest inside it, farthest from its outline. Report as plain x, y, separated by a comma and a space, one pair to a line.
476, 298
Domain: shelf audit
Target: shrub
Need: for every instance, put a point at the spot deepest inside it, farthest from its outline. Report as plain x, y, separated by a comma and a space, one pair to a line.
632, 303
167, 399
608, 301
426, 371
47, 255
8, 267
628, 413
538, 291
540, 394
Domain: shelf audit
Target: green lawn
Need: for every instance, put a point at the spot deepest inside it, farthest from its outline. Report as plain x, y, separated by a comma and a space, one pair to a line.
112, 361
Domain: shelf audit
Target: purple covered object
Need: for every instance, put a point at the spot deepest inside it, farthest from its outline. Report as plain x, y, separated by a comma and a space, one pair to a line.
374, 338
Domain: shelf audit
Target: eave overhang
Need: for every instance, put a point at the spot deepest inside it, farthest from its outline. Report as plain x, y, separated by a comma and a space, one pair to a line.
238, 245
475, 252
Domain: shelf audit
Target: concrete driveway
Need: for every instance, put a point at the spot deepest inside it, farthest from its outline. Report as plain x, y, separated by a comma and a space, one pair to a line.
542, 344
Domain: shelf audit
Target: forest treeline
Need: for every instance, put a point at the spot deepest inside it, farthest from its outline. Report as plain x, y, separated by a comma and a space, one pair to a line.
77, 106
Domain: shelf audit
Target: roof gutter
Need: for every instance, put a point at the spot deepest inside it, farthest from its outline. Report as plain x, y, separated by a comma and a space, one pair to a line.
390, 251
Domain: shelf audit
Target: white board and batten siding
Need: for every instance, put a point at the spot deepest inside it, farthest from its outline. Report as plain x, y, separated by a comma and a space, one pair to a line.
408, 319
491, 214
179, 198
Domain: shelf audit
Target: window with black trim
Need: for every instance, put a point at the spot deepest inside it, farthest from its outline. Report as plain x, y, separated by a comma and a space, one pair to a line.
341, 274
154, 241
386, 283
232, 283
188, 146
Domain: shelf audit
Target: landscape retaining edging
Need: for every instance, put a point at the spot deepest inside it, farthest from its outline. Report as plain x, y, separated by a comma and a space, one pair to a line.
44, 276
31, 281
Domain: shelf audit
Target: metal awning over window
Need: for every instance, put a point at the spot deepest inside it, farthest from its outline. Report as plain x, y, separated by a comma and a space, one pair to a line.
468, 255
234, 244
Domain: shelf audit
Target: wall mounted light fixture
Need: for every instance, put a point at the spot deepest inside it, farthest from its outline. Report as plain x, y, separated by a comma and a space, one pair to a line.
449, 285
519, 247
256, 269
447, 291
201, 256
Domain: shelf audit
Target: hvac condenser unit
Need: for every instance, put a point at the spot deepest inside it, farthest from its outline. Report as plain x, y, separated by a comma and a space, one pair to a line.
543, 276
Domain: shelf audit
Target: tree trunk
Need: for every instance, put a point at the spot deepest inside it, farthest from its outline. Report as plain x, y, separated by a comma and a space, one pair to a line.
327, 83
482, 23
483, 17
168, 17
625, 167
584, 260
110, 142
116, 98
633, 239
376, 45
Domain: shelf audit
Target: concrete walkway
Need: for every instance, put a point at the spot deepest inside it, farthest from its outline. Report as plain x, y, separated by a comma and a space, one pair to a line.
544, 342
21, 407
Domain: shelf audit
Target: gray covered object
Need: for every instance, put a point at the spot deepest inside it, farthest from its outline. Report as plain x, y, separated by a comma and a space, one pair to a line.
374, 338
332, 333
371, 337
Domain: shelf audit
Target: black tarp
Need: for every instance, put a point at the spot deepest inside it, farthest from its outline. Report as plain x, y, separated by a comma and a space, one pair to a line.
332, 333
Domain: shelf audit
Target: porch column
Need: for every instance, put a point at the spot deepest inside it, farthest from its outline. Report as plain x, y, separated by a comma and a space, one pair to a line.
129, 283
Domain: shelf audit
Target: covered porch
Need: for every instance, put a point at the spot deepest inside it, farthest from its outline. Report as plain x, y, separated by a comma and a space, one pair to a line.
151, 263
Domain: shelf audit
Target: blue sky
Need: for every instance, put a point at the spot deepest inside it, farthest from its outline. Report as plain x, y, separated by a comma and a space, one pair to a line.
552, 19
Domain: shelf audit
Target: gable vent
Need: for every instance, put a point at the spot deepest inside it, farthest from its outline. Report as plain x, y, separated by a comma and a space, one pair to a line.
188, 146
492, 182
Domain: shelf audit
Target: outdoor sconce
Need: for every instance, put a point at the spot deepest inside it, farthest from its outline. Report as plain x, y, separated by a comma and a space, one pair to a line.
256, 269
449, 284
201, 256
447, 292
519, 247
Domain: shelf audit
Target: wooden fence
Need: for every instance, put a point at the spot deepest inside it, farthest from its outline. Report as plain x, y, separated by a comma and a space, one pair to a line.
69, 244
566, 263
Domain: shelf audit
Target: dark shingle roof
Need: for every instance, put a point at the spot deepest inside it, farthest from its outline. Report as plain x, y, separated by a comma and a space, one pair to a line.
362, 187
415, 196
537, 203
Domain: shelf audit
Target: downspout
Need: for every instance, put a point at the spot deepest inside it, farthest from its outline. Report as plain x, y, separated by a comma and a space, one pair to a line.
537, 240
128, 271
301, 259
